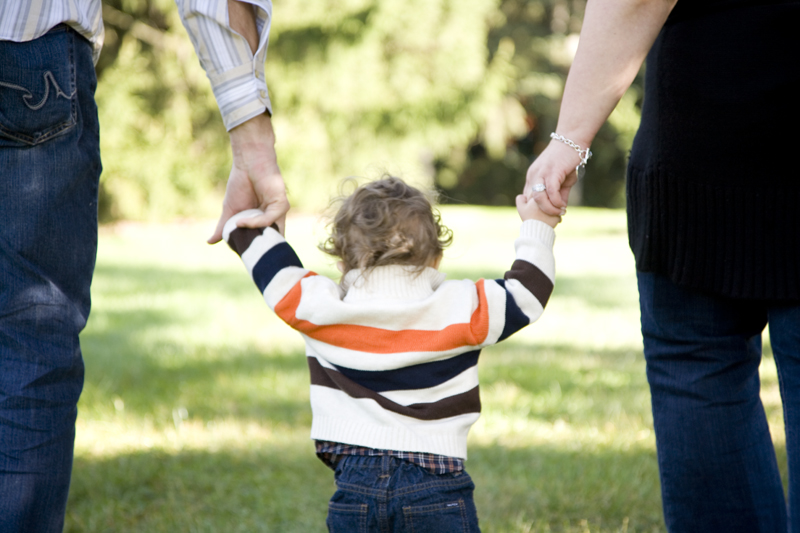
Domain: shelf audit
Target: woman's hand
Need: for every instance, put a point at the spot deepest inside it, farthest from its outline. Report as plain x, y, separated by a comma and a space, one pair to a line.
555, 168
615, 38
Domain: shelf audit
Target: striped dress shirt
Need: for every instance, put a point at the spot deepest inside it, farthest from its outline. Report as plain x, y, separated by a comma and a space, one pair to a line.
393, 353
26, 20
236, 74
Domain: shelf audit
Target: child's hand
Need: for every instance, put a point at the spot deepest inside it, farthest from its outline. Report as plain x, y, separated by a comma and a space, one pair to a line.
529, 210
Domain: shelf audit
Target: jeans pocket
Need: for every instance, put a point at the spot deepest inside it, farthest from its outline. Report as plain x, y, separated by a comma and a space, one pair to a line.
37, 89
347, 517
443, 517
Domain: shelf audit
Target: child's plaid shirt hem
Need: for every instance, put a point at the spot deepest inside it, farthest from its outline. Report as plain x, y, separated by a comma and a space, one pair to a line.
330, 453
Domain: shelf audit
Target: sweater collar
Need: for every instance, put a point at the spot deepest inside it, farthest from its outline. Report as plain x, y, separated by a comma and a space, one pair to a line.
394, 282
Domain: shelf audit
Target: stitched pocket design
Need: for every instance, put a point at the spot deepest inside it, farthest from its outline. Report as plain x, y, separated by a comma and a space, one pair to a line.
37, 89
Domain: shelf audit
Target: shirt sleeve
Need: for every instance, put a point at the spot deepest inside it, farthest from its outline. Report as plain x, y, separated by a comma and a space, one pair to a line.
236, 75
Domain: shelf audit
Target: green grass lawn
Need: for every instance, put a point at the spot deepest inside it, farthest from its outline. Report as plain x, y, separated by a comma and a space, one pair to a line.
195, 417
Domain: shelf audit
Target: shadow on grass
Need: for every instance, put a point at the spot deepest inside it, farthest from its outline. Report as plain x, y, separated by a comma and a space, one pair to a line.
283, 489
548, 383
286, 489
243, 385
141, 347
599, 291
541, 488
117, 280
277, 489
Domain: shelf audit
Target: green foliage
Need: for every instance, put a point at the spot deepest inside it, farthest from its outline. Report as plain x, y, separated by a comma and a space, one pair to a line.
491, 169
358, 88
365, 86
163, 144
460, 94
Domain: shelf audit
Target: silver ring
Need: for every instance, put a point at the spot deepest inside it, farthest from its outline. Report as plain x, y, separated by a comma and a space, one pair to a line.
538, 187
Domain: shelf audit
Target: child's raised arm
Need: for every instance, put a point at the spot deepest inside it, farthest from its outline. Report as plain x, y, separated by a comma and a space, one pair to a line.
270, 261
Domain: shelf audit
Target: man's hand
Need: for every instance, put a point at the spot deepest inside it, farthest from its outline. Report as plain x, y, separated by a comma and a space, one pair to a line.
255, 180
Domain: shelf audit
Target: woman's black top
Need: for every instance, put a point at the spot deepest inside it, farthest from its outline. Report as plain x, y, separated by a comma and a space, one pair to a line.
714, 173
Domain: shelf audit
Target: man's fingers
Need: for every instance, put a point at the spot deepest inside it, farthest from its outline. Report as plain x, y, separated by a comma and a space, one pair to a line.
281, 222
259, 221
274, 214
217, 235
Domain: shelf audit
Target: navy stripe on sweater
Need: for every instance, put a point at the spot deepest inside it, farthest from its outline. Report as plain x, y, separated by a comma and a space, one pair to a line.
515, 318
276, 259
421, 376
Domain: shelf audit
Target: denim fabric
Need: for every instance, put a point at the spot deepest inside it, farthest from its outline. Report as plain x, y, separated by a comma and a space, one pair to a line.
49, 172
715, 454
784, 335
389, 495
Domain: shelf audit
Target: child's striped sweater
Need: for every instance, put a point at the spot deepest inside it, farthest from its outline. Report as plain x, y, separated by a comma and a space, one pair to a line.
393, 354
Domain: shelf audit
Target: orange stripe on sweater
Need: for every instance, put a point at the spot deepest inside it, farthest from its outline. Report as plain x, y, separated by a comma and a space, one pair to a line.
378, 340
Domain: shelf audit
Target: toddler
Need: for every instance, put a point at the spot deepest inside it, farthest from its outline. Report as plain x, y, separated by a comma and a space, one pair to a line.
393, 350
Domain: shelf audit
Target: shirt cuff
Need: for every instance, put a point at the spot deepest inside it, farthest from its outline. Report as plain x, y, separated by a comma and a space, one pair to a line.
235, 72
241, 95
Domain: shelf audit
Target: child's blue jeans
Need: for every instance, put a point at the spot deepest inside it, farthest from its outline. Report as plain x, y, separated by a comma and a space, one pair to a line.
387, 494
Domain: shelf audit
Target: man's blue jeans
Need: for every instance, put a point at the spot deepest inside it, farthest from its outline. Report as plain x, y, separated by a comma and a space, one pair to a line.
387, 494
715, 455
49, 172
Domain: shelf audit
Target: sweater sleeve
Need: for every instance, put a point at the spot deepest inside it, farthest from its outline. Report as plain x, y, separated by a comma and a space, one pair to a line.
530, 281
269, 259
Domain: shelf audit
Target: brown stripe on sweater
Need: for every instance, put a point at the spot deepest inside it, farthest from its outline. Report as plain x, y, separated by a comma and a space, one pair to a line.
459, 404
532, 279
240, 239
319, 374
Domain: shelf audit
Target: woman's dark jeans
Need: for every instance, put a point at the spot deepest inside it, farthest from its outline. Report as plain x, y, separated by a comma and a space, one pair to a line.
386, 494
715, 454
49, 171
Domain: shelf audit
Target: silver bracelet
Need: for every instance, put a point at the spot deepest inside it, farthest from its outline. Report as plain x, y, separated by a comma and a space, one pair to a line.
583, 153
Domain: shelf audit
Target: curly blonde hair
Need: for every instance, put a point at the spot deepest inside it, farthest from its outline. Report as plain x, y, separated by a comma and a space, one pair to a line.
386, 222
